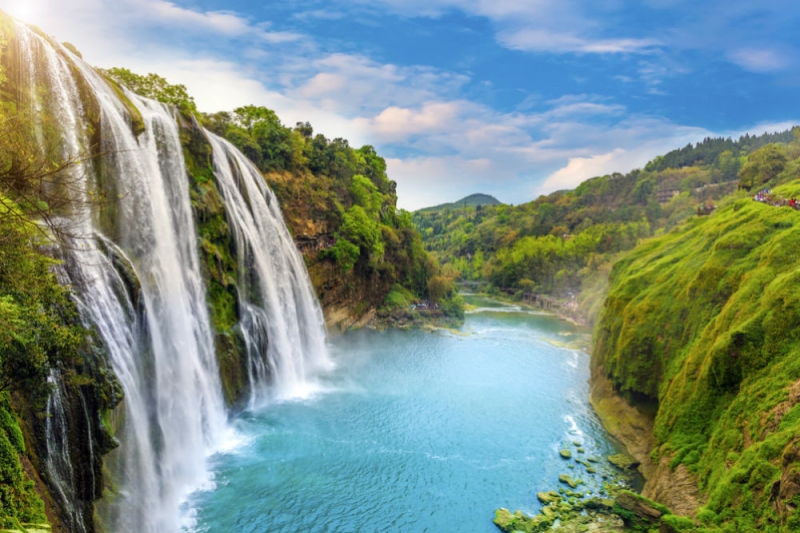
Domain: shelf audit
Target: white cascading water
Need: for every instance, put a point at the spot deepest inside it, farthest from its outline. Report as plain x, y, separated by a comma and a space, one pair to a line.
160, 341
41, 64
281, 321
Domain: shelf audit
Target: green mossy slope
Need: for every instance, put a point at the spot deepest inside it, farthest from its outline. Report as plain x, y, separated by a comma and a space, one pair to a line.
18, 497
703, 324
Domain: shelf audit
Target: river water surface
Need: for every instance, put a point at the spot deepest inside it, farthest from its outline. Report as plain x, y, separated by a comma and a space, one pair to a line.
415, 432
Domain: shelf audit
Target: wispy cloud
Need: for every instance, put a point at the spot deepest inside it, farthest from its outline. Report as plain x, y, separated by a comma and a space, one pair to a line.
227, 23
318, 14
540, 40
759, 59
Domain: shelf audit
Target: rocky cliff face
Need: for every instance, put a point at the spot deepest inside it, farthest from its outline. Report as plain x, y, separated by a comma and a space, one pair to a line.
349, 298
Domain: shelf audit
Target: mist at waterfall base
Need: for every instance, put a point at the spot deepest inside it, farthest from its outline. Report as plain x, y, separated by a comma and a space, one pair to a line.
417, 432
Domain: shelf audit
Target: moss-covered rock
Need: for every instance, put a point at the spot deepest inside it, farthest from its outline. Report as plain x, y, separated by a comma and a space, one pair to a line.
548, 497
599, 504
638, 513
671, 523
517, 521
623, 461
567, 480
18, 499
565, 454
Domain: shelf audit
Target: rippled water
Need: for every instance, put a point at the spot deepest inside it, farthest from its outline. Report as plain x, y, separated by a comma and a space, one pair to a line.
415, 432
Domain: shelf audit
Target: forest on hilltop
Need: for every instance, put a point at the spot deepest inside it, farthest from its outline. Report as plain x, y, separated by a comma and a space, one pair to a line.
566, 242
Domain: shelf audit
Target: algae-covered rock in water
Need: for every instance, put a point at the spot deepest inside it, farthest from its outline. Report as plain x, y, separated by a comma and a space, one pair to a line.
624, 461
590, 524
604, 505
505, 520
593, 459
565, 454
550, 512
548, 497
638, 512
567, 479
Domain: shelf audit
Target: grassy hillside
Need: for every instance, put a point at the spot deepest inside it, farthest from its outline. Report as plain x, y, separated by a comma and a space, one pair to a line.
702, 323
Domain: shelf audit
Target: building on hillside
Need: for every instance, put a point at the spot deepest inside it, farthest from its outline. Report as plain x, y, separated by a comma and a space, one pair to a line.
665, 195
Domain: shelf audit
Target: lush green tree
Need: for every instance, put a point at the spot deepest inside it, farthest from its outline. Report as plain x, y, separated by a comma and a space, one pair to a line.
763, 166
440, 288
345, 253
153, 86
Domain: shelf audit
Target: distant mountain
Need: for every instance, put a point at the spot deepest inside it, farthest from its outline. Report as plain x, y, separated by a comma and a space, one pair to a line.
473, 200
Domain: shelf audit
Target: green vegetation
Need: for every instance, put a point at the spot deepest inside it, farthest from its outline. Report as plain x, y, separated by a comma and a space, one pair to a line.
18, 498
151, 86
39, 331
565, 243
701, 322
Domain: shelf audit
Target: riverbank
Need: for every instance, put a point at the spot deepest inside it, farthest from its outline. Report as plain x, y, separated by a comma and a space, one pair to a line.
667, 499
578, 320
405, 313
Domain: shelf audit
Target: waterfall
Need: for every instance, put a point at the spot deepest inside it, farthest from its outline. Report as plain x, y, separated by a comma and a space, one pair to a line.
277, 298
60, 467
141, 287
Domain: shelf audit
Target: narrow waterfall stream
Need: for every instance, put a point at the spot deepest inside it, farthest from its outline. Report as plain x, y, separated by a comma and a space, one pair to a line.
281, 317
158, 334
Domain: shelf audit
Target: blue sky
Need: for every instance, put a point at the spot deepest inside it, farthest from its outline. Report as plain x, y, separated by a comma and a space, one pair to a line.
511, 98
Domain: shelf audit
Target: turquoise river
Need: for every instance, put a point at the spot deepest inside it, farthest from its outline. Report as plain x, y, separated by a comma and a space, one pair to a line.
415, 432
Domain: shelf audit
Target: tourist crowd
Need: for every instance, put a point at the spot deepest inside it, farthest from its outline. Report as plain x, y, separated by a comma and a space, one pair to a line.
425, 305
765, 196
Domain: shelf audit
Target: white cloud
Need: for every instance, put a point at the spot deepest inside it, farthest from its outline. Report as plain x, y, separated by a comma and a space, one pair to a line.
420, 180
542, 40
395, 123
716, 27
318, 14
226, 23
579, 169
763, 127
355, 85
759, 59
